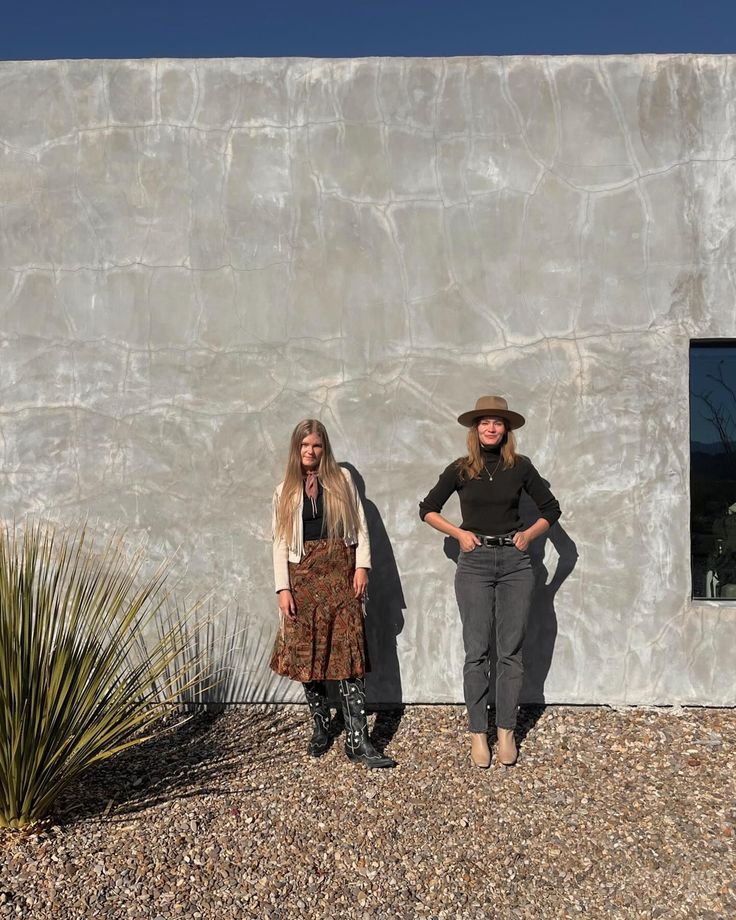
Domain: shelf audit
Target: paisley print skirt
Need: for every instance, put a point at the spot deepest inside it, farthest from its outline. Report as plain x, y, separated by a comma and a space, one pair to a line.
327, 640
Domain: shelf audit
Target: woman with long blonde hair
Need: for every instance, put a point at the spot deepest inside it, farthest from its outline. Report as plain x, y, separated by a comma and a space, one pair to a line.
494, 580
321, 561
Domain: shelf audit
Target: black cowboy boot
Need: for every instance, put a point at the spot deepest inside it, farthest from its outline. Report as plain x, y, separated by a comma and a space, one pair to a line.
357, 744
320, 710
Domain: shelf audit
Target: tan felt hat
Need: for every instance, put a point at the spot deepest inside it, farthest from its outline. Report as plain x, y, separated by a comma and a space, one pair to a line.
492, 405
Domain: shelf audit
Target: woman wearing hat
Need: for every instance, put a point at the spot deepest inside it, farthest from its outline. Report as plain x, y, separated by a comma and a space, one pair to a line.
321, 559
494, 580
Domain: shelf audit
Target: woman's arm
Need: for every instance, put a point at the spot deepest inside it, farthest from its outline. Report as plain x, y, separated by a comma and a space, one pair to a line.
541, 494
281, 566
287, 606
523, 538
281, 576
549, 507
363, 546
432, 504
466, 538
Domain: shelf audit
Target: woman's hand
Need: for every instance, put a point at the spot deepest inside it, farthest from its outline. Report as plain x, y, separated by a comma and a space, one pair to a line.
360, 583
522, 538
287, 605
467, 540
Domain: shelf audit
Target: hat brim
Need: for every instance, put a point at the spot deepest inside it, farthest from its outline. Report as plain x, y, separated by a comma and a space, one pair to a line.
513, 418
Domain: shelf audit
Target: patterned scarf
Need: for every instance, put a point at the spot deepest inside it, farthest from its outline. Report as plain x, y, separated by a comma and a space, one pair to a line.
311, 487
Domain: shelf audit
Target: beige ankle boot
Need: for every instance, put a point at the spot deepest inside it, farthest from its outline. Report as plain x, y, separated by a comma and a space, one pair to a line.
480, 753
506, 752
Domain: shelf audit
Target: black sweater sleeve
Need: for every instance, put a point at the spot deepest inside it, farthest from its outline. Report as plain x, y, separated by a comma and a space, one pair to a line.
437, 496
539, 492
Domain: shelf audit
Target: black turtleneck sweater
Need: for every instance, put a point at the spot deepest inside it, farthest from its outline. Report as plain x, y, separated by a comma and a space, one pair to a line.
491, 507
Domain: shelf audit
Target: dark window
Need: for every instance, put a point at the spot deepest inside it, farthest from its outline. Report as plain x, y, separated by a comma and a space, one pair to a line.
713, 468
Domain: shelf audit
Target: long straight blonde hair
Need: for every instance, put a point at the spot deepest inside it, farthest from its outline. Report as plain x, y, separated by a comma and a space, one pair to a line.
470, 467
340, 511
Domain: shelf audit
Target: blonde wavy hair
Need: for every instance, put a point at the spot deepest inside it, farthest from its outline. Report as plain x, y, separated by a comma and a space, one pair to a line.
340, 511
470, 467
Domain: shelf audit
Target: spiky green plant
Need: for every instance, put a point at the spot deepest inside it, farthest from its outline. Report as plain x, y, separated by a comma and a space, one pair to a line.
77, 685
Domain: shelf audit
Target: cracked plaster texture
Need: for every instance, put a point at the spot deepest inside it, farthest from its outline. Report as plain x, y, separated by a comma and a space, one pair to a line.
196, 254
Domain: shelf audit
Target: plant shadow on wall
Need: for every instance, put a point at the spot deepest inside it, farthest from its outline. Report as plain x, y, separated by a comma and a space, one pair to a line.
384, 621
93, 654
541, 633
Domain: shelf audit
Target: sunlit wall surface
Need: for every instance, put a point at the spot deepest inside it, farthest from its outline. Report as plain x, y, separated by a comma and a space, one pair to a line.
196, 254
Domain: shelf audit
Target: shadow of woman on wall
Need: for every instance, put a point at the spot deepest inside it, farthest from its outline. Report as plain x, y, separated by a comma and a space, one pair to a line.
541, 632
384, 620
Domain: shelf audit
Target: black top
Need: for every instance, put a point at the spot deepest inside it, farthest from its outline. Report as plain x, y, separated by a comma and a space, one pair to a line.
313, 516
488, 506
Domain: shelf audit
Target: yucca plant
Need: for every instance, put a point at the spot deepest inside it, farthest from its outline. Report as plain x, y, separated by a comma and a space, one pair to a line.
77, 684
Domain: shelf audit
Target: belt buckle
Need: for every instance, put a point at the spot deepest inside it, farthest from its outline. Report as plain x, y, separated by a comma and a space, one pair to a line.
486, 540
495, 540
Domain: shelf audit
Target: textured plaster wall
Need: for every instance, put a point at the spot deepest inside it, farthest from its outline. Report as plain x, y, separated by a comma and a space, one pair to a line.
196, 254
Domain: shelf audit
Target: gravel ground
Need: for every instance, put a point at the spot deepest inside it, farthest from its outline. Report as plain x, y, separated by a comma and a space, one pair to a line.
609, 813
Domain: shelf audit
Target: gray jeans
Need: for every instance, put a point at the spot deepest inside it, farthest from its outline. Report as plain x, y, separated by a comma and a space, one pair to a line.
493, 585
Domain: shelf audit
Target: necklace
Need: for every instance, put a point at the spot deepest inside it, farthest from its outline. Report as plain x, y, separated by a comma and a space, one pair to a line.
495, 470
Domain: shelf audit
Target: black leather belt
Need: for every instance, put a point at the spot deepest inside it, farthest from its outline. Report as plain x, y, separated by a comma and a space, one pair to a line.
506, 540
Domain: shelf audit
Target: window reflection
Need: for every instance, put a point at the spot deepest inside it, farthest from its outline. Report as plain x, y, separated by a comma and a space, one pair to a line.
713, 468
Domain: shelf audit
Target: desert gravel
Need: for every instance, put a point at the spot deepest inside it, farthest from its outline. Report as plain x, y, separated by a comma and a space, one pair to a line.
609, 813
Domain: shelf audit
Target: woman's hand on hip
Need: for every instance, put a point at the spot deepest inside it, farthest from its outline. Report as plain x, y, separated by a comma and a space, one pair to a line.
286, 604
523, 538
360, 583
467, 540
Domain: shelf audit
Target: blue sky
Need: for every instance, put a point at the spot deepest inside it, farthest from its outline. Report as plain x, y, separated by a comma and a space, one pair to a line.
351, 28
